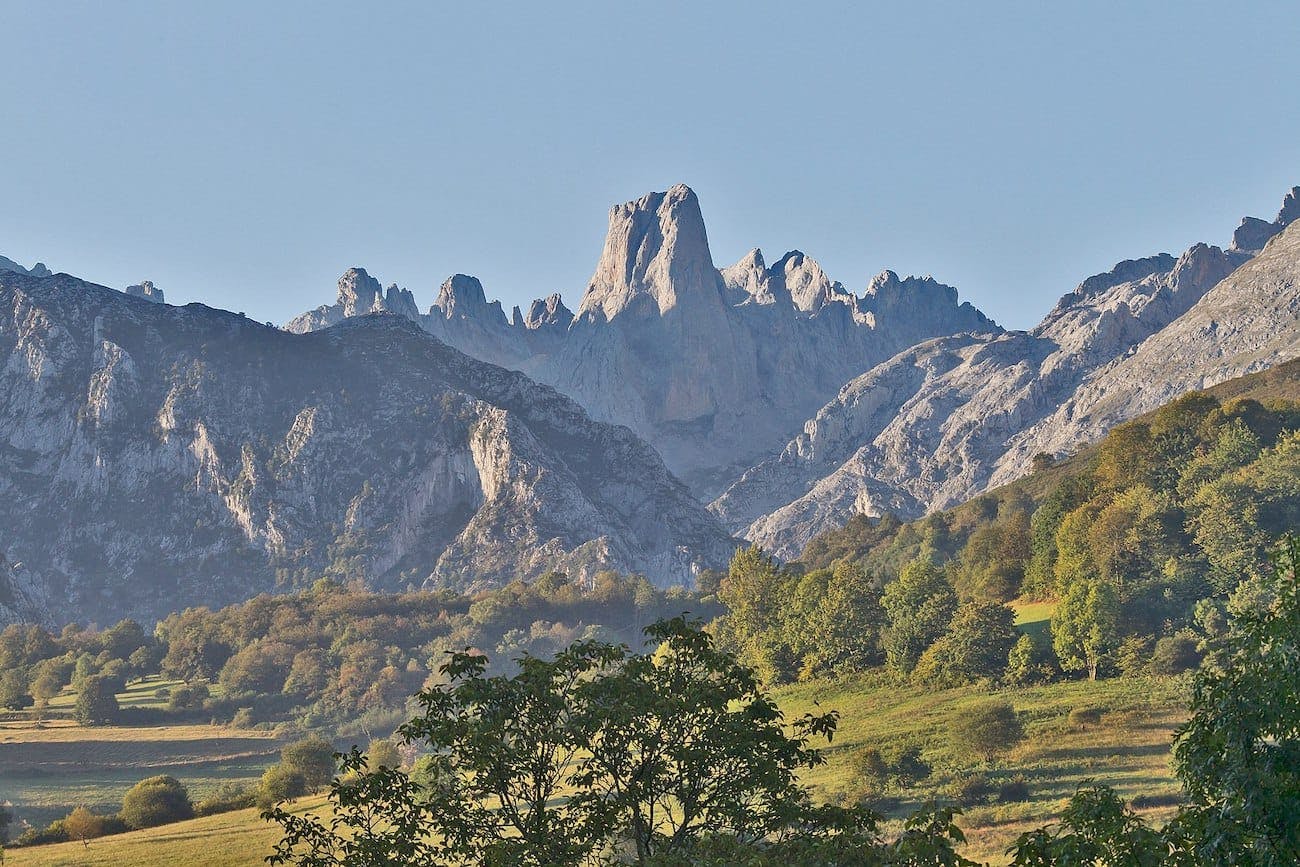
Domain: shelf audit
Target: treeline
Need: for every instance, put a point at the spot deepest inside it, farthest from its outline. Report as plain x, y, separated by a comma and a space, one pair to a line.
1146, 542
329, 655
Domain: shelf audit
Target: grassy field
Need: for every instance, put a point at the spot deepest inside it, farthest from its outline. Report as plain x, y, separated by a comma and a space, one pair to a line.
1129, 750
238, 839
47, 769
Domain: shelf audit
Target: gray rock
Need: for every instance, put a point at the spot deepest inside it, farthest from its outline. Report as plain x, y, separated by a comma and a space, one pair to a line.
157, 457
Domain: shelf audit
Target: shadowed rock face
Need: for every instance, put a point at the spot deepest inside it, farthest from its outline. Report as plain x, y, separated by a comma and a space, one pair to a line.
154, 457
953, 417
714, 368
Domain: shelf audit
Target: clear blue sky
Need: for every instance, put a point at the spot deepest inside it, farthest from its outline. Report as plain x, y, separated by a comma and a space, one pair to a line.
244, 155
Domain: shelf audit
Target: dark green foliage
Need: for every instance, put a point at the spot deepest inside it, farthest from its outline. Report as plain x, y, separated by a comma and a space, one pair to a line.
312, 759
96, 703
156, 801
1239, 754
988, 729
227, 797
970, 790
919, 605
280, 783
1175, 654
14, 693
676, 751
977, 644
1096, 828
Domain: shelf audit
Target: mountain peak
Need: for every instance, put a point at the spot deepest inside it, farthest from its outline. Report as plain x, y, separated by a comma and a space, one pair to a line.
656, 248
548, 311
1254, 233
358, 292
462, 296
146, 290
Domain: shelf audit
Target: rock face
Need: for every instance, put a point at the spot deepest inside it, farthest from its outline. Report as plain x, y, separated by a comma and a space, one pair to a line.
37, 270
146, 290
153, 457
952, 417
716, 368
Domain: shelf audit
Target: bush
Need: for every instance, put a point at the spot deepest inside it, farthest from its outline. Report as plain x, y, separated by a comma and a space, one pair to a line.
156, 801
988, 729
55, 832
280, 783
383, 754
1175, 654
970, 790
1082, 717
227, 797
83, 825
244, 718
1013, 790
313, 758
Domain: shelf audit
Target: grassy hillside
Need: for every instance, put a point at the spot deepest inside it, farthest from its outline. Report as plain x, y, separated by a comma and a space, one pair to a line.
1128, 749
238, 839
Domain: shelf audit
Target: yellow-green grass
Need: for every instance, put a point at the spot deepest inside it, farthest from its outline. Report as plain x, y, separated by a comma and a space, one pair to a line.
1129, 750
47, 769
141, 693
237, 839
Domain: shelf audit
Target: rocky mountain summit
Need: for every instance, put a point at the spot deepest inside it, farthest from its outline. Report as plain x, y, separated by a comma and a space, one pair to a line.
952, 417
714, 367
9, 265
153, 457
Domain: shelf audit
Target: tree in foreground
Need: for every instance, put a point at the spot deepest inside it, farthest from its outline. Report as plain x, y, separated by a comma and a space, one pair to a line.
601, 755
1239, 753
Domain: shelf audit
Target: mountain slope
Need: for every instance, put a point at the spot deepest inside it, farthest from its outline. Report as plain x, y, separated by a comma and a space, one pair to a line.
716, 368
153, 457
949, 418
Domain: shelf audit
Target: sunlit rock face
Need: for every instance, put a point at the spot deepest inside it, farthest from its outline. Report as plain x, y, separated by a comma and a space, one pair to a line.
154, 457
950, 418
716, 368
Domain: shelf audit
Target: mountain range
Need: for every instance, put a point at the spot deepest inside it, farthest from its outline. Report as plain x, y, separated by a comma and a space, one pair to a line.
156, 456
153, 457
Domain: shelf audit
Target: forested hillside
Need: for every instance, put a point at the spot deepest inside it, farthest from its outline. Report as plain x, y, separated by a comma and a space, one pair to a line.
1141, 544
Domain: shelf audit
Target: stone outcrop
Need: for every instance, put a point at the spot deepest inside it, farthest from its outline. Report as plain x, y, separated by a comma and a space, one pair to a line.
154, 457
952, 417
716, 368
146, 290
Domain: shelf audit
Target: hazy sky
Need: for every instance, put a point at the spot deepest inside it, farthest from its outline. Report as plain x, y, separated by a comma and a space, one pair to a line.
244, 155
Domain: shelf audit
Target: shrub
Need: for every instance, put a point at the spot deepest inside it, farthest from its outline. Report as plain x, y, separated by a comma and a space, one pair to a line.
83, 825
970, 790
313, 758
1175, 654
383, 753
244, 718
227, 797
280, 783
988, 729
1013, 790
156, 801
